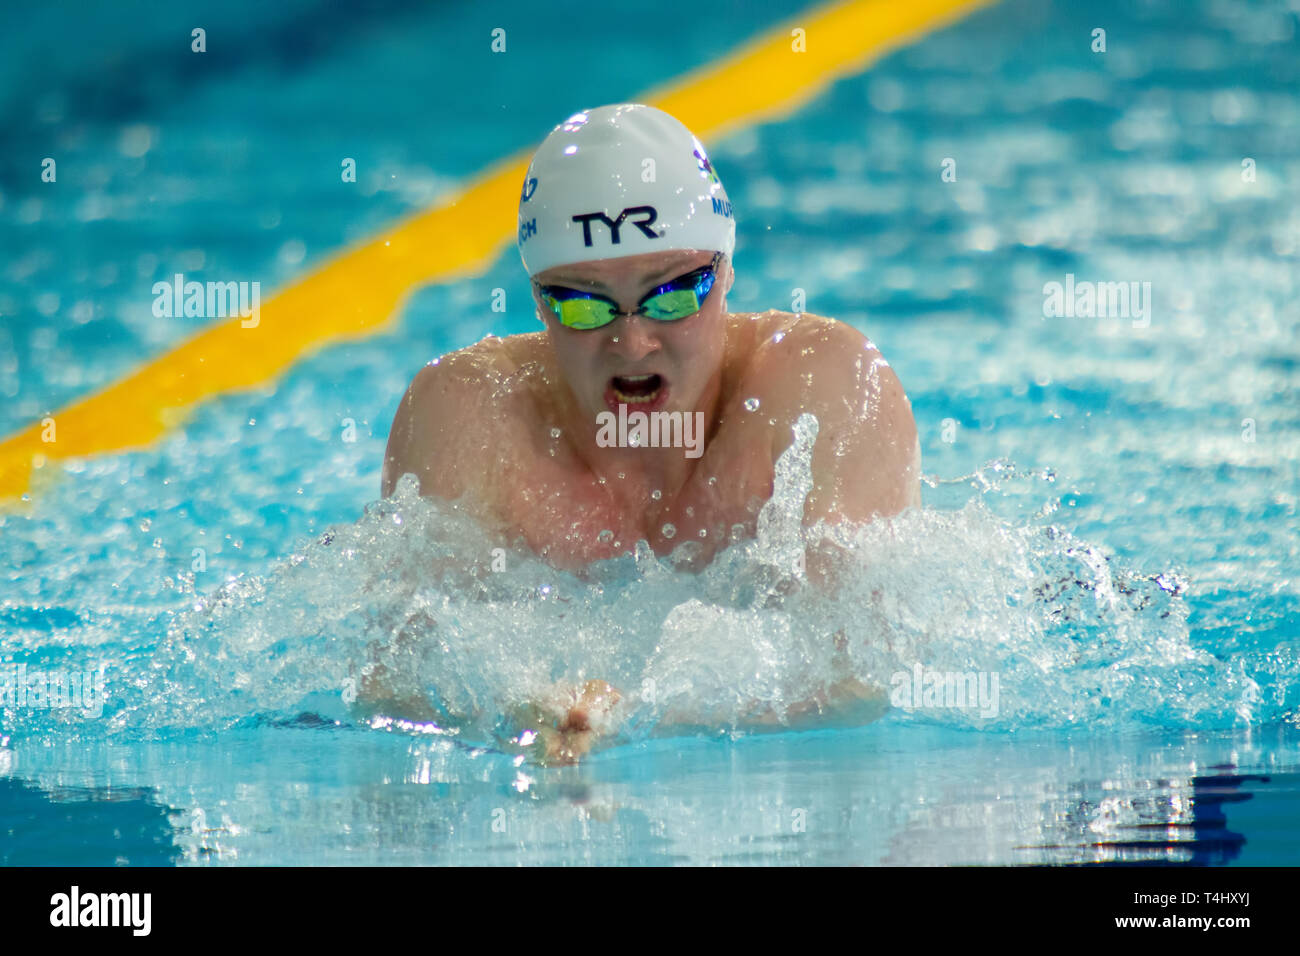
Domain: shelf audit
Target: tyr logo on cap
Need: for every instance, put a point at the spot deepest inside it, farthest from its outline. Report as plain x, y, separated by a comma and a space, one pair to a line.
650, 215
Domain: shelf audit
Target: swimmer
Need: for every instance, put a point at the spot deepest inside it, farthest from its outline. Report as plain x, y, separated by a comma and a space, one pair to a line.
627, 235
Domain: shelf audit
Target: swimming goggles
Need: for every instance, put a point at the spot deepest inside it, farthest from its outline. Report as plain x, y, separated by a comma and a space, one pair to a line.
675, 299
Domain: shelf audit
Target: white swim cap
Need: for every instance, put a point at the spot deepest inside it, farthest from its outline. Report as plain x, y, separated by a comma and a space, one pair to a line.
616, 181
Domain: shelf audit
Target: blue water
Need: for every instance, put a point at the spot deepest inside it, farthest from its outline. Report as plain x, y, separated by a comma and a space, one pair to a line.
1097, 531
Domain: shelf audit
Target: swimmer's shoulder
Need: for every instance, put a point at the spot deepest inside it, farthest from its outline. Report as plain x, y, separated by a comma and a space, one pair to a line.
774, 341
801, 362
488, 373
446, 413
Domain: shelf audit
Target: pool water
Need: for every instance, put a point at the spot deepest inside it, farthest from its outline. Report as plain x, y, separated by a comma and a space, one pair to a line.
1109, 525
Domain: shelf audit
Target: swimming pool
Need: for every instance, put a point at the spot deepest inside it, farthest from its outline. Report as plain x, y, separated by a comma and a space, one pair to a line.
1109, 522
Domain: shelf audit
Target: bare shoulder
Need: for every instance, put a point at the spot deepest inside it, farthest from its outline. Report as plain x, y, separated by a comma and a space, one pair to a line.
805, 355
866, 460
451, 408
811, 363
800, 331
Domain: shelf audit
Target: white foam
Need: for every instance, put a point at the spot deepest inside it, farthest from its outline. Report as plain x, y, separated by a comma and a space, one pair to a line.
1074, 637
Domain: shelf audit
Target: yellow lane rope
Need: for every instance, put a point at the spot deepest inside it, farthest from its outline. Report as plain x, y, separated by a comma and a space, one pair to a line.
358, 292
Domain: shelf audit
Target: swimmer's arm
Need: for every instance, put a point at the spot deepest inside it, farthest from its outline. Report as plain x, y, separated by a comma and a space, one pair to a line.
866, 460
867, 457
429, 428
848, 702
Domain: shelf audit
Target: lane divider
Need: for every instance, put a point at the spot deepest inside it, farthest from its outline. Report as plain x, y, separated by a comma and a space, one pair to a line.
359, 292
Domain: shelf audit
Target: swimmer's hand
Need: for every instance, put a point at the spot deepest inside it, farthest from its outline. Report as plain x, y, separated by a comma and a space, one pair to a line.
380, 691
562, 727
848, 702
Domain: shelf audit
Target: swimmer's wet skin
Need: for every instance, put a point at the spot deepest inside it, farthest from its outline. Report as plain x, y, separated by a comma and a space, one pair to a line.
630, 281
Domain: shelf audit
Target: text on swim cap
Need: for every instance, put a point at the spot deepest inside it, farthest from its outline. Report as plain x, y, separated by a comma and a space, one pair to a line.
616, 224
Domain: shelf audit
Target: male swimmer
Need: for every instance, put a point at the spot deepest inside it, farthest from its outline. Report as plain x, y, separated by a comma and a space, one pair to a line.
627, 235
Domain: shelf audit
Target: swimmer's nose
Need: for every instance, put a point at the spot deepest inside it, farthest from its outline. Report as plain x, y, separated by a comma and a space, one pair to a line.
633, 337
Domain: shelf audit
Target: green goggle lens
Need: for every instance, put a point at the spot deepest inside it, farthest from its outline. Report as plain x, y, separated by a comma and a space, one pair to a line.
670, 306
582, 313
672, 301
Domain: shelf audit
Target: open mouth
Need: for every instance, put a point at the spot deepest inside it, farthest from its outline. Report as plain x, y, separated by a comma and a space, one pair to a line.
636, 389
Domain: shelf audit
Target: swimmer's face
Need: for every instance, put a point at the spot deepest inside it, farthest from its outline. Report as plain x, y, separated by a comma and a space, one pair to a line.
646, 364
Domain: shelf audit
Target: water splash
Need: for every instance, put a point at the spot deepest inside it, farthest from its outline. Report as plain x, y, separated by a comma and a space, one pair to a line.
414, 598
